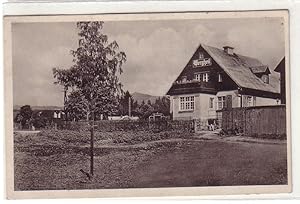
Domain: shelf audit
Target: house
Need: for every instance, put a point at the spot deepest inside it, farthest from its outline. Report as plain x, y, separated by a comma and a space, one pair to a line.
45, 115
281, 69
52, 113
215, 79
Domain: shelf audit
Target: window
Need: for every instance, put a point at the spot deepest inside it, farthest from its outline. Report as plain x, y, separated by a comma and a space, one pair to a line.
205, 77
187, 103
250, 101
220, 78
183, 79
221, 102
182, 103
201, 55
265, 78
202, 77
197, 77
211, 102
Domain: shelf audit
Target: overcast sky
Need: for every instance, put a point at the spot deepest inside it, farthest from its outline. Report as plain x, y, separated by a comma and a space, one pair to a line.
156, 51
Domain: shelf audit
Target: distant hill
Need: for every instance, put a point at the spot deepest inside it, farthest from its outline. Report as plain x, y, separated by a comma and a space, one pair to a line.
139, 97
17, 107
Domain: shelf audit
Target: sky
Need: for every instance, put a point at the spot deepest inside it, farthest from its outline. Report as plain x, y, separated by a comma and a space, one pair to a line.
156, 51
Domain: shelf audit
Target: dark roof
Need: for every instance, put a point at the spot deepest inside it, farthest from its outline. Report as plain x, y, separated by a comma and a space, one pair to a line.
241, 69
280, 65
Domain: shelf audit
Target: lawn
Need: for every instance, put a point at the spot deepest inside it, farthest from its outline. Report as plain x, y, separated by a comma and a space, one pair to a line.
53, 159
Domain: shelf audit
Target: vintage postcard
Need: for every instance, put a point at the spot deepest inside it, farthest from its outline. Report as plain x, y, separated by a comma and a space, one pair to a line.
149, 104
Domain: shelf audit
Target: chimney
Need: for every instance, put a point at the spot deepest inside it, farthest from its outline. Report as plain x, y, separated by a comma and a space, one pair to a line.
228, 50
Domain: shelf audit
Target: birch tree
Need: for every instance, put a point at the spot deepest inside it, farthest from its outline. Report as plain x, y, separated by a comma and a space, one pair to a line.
93, 79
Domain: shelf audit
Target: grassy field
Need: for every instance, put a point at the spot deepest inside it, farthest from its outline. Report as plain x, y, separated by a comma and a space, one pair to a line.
53, 159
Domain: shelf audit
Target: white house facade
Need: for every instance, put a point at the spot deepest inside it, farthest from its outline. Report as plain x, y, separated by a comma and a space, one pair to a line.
216, 79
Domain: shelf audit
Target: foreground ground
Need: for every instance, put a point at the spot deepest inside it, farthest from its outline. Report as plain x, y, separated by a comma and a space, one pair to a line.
52, 160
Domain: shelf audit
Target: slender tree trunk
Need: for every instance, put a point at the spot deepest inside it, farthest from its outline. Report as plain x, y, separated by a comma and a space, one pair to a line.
65, 100
92, 145
87, 116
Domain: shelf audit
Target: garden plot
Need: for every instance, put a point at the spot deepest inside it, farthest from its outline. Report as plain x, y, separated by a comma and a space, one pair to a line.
53, 159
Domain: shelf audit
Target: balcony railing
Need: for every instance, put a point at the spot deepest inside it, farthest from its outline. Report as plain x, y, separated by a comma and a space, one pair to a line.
188, 82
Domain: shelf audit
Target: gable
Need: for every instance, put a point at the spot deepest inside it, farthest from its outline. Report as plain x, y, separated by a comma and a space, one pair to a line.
201, 63
237, 70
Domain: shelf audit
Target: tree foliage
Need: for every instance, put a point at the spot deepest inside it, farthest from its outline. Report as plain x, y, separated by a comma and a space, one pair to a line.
24, 117
93, 80
144, 110
124, 103
76, 106
39, 120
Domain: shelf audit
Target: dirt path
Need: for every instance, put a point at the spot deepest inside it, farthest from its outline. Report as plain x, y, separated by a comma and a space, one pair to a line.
27, 132
207, 135
101, 144
195, 138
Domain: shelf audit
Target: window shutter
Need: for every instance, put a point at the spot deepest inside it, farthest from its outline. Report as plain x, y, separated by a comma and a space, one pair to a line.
220, 78
245, 101
254, 100
228, 102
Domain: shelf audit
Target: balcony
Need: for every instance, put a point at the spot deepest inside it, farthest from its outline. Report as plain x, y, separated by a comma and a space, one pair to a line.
187, 82
192, 86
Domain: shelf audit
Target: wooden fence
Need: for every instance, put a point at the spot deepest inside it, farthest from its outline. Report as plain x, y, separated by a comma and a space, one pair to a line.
260, 121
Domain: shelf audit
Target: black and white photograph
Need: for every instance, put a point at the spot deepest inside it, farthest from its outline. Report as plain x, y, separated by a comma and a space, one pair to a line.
143, 101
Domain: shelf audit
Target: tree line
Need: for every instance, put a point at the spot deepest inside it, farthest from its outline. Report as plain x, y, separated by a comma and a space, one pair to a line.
145, 108
27, 118
75, 110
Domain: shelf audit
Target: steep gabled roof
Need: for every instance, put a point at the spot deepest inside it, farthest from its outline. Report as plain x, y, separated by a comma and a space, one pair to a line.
241, 69
254, 64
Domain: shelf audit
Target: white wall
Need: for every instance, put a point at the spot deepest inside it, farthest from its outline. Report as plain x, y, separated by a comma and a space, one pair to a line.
205, 111
266, 101
185, 115
236, 100
202, 110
